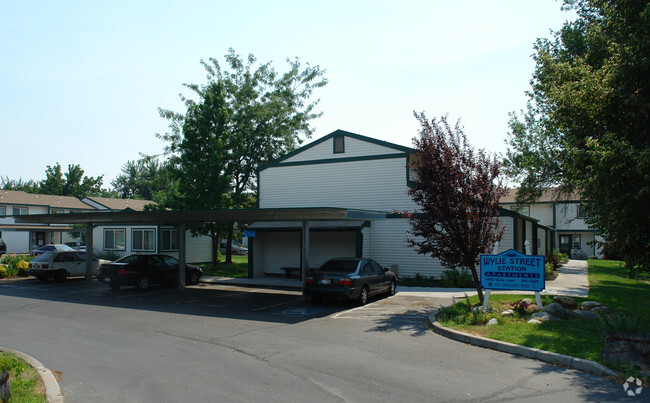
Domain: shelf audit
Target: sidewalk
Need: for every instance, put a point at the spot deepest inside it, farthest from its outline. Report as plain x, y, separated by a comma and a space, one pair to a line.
571, 281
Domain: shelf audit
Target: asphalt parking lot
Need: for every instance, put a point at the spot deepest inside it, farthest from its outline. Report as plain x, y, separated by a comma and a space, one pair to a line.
228, 343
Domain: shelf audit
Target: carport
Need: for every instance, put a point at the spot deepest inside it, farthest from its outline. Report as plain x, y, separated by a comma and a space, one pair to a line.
181, 218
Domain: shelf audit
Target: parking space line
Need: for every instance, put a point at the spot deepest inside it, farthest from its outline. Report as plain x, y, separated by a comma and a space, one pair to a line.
274, 305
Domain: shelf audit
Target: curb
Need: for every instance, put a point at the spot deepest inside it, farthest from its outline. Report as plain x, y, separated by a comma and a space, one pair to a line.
52, 389
528, 352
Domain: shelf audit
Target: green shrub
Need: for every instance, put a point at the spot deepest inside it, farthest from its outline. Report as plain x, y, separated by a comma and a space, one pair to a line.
3, 272
619, 322
457, 279
556, 258
16, 266
549, 268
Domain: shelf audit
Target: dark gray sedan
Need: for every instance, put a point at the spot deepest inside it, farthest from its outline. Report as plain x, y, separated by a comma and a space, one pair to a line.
349, 278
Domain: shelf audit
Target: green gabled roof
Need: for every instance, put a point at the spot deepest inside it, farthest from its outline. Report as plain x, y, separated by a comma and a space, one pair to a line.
396, 147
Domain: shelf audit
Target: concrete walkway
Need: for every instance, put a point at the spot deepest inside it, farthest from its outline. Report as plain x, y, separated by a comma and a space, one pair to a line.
571, 281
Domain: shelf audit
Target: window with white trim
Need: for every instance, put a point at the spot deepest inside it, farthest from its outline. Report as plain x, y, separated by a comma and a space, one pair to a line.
58, 211
575, 242
169, 239
582, 211
20, 210
114, 239
143, 239
3, 211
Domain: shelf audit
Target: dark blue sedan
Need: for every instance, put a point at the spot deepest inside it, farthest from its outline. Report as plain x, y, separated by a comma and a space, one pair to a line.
349, 278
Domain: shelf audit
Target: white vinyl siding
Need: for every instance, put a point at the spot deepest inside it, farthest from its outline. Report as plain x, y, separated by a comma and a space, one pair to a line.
369, 185
389, 247
508, 239
353, 148
325, 245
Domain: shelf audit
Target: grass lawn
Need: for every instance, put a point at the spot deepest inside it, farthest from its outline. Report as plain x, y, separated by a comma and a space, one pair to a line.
26, 384
238, 268
608, 284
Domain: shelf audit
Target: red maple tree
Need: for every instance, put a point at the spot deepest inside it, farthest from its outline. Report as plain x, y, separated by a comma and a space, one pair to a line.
457, 190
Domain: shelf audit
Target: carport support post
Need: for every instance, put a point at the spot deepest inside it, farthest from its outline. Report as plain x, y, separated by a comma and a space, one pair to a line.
305, 253
89, 251
181, 255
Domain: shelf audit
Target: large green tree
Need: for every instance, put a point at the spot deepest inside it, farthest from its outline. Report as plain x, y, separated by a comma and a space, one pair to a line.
586, 126
242, 118
73, 183
146, 178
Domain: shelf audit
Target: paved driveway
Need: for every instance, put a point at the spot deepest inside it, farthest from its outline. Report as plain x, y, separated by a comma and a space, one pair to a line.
223, 343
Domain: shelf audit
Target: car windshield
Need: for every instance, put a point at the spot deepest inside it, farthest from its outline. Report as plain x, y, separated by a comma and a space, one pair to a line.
339, 266
44, 257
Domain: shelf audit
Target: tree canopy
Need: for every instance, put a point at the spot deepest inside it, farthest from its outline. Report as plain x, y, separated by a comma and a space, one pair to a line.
73, 183
242, 118
457, 190
586, 126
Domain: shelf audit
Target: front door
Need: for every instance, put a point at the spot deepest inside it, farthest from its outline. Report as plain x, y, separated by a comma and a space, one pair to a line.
565, 244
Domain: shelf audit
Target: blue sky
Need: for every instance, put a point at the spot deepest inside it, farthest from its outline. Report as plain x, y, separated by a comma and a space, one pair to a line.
81, 81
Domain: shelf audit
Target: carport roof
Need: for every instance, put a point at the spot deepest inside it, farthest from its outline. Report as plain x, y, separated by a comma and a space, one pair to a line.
192, 216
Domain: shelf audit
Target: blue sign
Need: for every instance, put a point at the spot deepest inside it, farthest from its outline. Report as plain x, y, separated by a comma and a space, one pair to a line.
249, 233
512, 270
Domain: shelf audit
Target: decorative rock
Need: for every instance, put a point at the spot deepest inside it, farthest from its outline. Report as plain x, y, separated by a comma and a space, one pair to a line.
542, 316
527, 301
492, 321
534, 321
584, 314
566, 302
556, 310
589, 305
508, 312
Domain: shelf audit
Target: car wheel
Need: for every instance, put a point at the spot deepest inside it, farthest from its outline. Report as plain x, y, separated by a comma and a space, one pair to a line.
60, 275
41, 278
363, 296
194, 277
143, 283
114, 286
391, 288
316, 300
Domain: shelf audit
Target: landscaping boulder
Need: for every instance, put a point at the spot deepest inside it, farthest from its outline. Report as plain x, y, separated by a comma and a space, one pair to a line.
627, 348
492, 322
556, 310
589, 305
567, 302
542, 317
534, 321
584, 314
527, 301
508, 312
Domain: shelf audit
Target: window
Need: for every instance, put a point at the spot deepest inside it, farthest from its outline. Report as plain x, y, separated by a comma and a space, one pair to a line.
523, 210
20, 210
575, 241
57, 211
3, 211
115, 239
143, 240
339, 145
169, 239
582, 211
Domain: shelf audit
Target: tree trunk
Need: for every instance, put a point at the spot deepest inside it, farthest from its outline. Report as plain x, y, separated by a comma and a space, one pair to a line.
477, 282
214, 235
229, 243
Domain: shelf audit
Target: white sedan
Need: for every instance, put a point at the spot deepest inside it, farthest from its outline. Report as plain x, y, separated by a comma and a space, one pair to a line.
61, 265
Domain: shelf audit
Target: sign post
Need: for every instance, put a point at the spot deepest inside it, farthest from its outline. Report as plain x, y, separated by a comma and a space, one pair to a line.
512, 270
